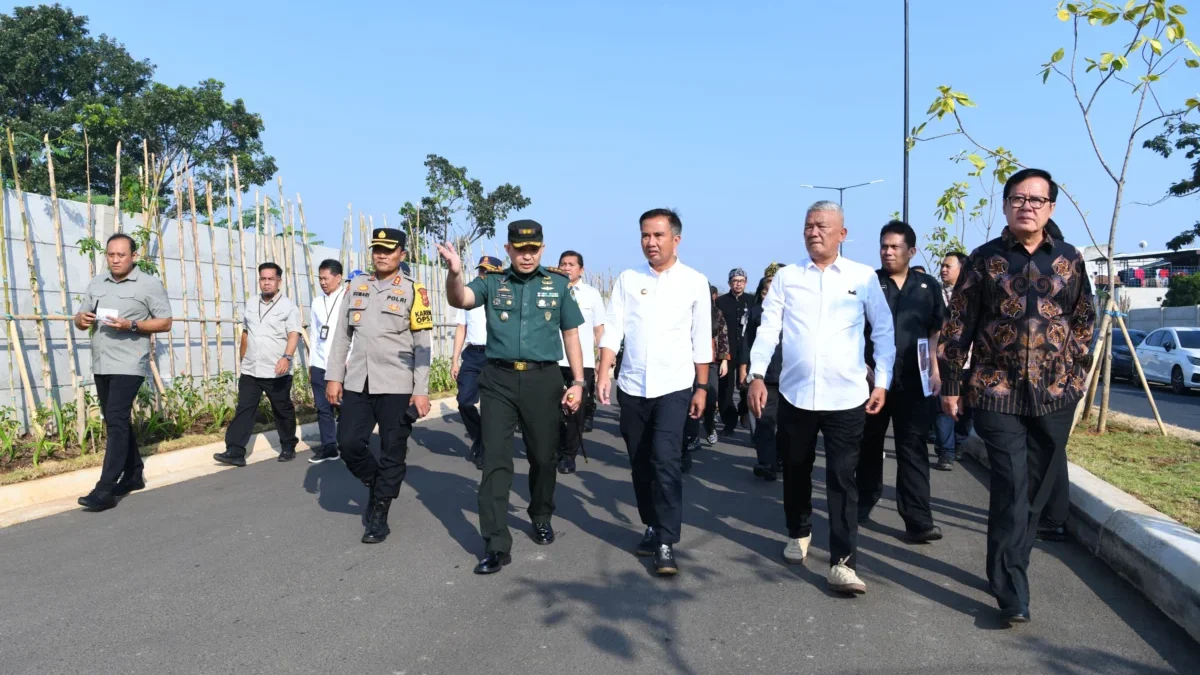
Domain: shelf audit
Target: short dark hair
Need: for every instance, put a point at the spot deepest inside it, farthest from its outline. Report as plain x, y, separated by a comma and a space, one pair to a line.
271, 266
567, 254
959, 256
671, 216
920, 268
902, 228
332, 265
122, 235
1024, 175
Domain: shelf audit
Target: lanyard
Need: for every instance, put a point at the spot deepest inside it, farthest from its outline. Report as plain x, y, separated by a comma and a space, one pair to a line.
329, 310
270, 307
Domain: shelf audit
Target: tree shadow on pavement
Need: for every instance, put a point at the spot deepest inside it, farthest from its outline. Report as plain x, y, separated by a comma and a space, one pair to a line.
438, 442
446, 496
1085, 660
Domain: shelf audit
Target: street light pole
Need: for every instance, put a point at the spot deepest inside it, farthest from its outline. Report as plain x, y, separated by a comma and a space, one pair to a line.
841, 191
906, 127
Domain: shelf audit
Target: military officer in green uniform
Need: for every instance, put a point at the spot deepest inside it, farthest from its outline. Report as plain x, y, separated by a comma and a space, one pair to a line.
528, 306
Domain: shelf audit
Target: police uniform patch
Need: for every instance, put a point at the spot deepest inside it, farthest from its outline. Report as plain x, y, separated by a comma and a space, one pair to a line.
363, 287
421, 316
357, 316
394, 307
358, 303
397, 280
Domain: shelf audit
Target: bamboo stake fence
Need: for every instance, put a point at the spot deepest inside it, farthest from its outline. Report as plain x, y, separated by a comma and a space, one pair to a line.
80, 408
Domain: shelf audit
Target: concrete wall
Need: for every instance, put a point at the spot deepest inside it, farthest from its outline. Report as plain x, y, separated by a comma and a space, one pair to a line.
218, 263
1149, 319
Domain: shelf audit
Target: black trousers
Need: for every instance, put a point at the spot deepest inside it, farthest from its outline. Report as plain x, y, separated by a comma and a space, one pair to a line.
911, 417
730, 412
570, 425
765, 427
472, 361
797, 438
1027, 454
121, 456
250, 392
532, 399
1058, 507
326, 422
361, 411
653, 433
691, 427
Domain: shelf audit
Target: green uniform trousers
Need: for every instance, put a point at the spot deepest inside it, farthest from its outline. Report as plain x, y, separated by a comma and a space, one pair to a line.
531, 398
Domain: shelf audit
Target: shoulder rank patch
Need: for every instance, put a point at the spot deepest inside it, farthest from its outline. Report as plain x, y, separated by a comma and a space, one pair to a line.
421, 316
558, 271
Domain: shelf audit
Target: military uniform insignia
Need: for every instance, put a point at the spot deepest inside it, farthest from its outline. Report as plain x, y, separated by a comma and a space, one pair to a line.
541, 304
397, 280
357, 316
358, 303
548, 315
547, 281
504, 316
394, 307
380, 234
554, 303
363, 287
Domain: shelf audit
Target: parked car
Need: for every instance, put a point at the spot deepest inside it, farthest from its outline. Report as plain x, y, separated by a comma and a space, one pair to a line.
1122, 361
1172, 356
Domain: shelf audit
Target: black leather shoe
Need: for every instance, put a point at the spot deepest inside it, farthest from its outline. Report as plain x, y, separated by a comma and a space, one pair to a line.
1018, 615
370, 506
764, 472
649, 543
566, 465
587, 425
287, 454
944, 463
864, 516
925, 536
230, 458
377, 526
492, 562
1051, 532
543, 534
98, 500
664, 560
133, 484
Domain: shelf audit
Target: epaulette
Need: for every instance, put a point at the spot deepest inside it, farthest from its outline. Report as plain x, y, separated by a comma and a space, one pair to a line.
558, 271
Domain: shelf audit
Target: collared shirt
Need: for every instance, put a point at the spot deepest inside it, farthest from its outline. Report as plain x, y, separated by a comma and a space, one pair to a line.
388, 323
268, 325
591, 305
323, 313
821, 316
753, 321
526, 314
665, 320
137, 297
917, 311
476, 323
1027, 318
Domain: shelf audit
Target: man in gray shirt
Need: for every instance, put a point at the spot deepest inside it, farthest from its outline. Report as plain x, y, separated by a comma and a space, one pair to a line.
124, 305
270, 336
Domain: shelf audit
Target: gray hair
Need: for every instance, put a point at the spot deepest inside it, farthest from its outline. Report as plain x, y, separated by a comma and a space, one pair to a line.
826, 205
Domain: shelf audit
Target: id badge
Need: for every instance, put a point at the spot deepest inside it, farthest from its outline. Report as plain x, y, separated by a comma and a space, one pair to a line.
324, 332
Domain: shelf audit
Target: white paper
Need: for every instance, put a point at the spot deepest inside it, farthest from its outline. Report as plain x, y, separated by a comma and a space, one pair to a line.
105, 315
925, 364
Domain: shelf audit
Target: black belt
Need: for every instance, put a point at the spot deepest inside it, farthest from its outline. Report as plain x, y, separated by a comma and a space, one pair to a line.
522, 366
476, 347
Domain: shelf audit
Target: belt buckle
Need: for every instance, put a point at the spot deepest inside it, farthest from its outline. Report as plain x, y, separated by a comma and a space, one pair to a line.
520, 365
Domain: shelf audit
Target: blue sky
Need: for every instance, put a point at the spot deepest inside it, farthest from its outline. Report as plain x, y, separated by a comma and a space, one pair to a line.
600, 111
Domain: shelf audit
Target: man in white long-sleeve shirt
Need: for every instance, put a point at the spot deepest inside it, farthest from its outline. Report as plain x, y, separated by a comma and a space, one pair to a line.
819, 307
663, 313
322, 323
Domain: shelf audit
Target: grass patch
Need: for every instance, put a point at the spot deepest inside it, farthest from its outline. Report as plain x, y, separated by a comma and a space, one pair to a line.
1163, 472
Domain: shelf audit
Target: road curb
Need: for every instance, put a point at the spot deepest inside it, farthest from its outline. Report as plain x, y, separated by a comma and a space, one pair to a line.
43, 497
1157, 554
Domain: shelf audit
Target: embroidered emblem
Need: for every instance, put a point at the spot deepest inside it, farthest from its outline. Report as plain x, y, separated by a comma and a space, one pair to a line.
358, 316
358, 303
394, 307
379, 234
504, 316
548, 315
397, 280
363, 287
554, 303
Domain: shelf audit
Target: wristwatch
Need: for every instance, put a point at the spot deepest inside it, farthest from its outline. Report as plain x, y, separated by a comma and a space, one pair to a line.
752, 377
288, 357
578, 383
133, 326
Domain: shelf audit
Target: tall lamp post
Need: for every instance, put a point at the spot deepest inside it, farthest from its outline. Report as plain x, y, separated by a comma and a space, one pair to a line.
841, 191
904, 201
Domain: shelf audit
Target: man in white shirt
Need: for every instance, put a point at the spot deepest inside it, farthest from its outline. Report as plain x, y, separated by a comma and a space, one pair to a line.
819, 307
322, 323
663, 313
470, 341
570, 437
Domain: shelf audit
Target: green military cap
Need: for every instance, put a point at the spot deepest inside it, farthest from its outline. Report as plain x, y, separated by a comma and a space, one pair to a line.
525, 233
389, 238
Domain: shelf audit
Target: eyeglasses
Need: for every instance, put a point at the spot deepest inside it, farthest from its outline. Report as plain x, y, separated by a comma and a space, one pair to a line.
1018, 201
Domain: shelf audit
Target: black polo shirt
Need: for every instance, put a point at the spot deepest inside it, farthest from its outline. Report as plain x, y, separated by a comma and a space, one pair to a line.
917, 310
735, 307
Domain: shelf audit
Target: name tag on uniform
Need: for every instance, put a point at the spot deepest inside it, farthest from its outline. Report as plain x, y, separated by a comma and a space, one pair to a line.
324, 332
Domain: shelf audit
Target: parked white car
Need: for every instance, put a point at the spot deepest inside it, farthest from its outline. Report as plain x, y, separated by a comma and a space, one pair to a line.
1172, 356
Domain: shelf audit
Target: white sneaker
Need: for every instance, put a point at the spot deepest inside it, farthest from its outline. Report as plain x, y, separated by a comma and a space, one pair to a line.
797, 550
842, 579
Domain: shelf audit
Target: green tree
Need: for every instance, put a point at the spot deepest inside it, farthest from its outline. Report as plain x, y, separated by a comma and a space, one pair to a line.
458, 207
1183, 136
1184, 291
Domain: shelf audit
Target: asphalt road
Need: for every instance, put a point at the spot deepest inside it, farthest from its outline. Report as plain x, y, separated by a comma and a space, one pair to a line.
259, 570
1182, 410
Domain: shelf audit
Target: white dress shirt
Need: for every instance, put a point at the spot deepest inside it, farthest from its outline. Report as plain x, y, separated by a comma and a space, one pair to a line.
592, 306
323, 313
820, 316
666, 322
476, 323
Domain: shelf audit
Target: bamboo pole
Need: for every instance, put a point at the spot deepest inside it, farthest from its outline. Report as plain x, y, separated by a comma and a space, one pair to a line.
364, 237
229, 233
91, 222
160, 228
1106, 378
259, 256
34, 288
237, 184
291, 249
308, 263
117, 193
1137, 366
347, 242
282, 219
212, 247
12, 352
187, 326
80, 411
199, 279
16, 350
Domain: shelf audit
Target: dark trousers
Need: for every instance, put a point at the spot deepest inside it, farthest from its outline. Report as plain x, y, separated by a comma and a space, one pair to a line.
121, 456
729, 411
361, 411
910, 416
250, 392
1026, 454
1058, 507
325, 419
797, 438
570, 425
951, 434
691, 427
765, 436
531, 399
472, 361
653, 433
